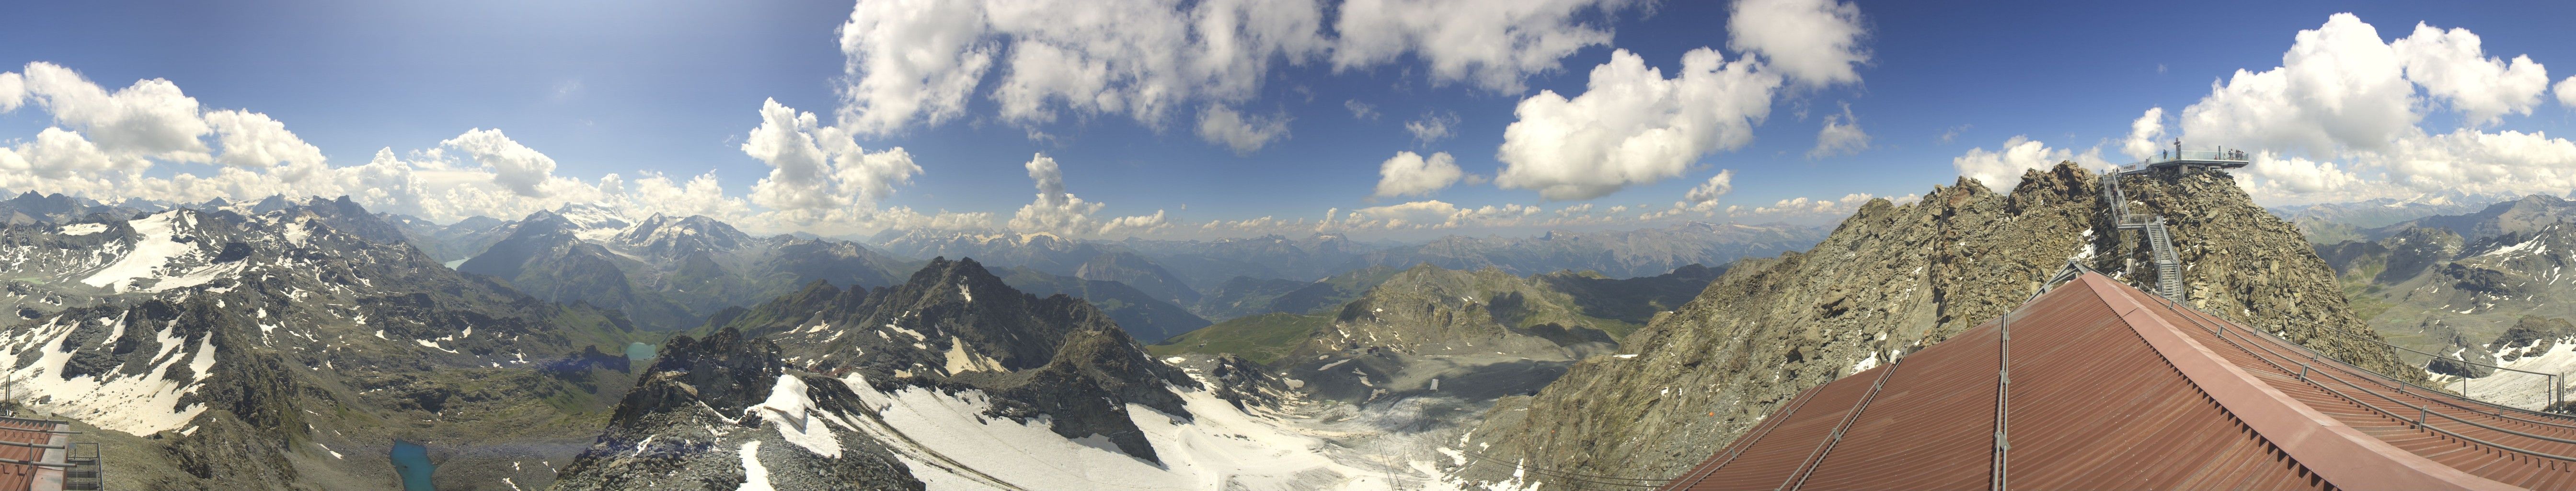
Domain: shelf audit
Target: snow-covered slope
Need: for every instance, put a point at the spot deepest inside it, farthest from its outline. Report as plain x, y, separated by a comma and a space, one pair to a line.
955, 381
263, 350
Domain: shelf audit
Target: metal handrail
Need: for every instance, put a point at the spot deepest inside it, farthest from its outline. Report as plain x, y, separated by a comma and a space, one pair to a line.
2189, 311
2311, 354
34, 445
1772, 422
34, 463
1999, 469
2421, 412
2222, 155
1808, 468
1564, 475
2401, 387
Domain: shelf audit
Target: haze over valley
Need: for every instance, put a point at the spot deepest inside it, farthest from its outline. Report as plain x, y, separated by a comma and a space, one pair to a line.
1286, 245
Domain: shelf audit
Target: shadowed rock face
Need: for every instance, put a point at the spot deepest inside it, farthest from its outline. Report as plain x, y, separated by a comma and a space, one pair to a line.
685, 423
955, 326
951, 328
1890, 280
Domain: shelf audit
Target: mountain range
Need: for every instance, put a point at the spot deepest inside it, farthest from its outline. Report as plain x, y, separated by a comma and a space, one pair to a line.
1890, 280
290, 348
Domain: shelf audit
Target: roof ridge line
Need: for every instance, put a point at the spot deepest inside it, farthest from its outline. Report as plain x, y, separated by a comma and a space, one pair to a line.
2318, 442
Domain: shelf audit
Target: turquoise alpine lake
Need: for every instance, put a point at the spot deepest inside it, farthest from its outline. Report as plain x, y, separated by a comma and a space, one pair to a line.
411, 461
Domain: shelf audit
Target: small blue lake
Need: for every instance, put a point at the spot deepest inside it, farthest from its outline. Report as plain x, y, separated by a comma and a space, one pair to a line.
639, 351
411, 461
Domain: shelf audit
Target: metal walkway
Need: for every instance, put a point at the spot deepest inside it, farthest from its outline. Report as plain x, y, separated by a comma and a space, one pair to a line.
2159, 237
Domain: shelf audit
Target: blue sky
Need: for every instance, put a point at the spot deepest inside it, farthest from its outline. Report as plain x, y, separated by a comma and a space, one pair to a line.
676, 88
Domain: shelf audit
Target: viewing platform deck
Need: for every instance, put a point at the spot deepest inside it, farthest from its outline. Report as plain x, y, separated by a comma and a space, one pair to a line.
2190, 161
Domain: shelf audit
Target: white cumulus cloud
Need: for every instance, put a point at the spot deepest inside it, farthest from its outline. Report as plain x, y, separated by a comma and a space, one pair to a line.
911, 60
1840, 136
1817, 42
1410, 174
1632, 126
1059, 212
151, 118
2338, 86
2143, 133
2002, 167
917, 62
820, 172
2452, 65
2566, 90
1706, 194
13, 91
2340, 119
514, 166
1493, 44
1243, 134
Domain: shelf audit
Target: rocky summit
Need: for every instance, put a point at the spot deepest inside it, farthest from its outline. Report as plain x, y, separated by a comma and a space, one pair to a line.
1892, 279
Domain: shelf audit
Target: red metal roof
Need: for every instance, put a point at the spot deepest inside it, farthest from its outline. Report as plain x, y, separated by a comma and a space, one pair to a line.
2114, 388
17, 477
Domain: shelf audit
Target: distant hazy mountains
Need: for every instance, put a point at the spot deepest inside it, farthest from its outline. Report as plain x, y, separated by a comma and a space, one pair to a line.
2329, 223
1213, 277
673, 272
2448, 281
30, 208
664, 272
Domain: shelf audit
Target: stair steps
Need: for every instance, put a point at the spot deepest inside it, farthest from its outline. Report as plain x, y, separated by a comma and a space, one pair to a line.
2159, 238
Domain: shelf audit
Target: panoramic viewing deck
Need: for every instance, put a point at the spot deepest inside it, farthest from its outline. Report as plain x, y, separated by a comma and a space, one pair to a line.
2190, 161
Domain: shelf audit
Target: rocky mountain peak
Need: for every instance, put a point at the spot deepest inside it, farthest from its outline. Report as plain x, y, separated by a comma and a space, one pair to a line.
955, 324
669, 236
274, 202
1893, 278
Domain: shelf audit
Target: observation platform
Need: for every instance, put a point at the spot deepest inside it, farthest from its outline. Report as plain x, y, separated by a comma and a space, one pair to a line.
2190, 161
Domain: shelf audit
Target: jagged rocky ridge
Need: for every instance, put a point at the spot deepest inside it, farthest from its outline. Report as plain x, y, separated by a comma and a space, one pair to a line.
1056, 356
705, 402
1891, 279
2445, 282
898, 387
287, 349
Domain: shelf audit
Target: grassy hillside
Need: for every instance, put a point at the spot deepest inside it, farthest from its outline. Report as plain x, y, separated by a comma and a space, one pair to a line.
1261, 338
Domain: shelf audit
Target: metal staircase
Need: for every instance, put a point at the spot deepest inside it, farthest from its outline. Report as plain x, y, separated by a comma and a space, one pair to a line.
2159, 237
85, 472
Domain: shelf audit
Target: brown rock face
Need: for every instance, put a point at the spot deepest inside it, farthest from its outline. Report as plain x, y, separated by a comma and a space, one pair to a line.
1890, 280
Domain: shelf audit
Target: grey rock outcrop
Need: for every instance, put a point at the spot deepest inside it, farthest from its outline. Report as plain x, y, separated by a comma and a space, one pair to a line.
1892, 279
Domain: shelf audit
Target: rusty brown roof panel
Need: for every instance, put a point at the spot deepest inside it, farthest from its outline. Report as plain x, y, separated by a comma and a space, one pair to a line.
2513, 448
2094, 404
1929, 428
2338, 452
2115, 389
14, 477
1775, 457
